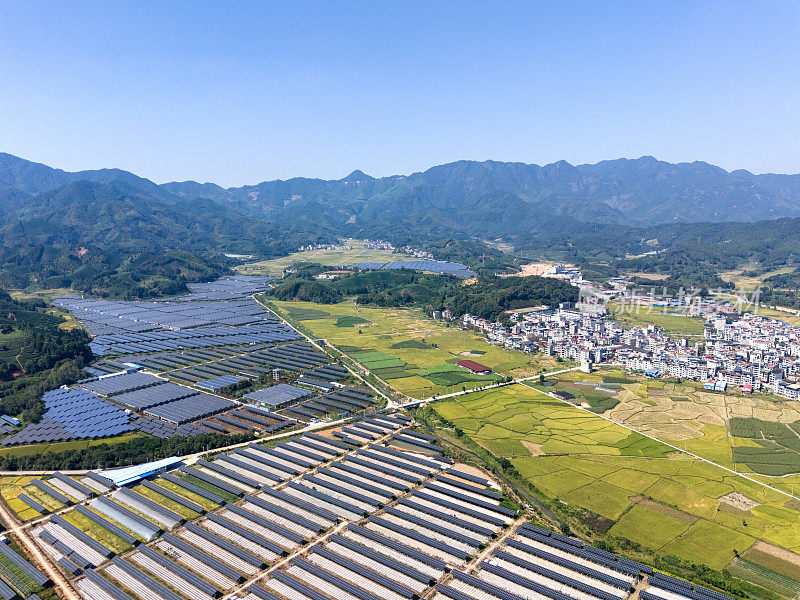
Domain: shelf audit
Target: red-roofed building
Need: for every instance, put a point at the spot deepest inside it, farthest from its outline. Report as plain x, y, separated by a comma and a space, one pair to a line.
473, 366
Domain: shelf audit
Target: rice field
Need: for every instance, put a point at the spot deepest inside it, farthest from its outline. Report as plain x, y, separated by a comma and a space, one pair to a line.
63, 446
648, 493
751, 433
675, 324
101, 534
412, 352
10, 489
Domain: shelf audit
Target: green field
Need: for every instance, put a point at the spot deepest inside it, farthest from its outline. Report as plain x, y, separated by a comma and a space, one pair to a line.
166, 502
645, 521
597, 400
18, 579
793, 318
450, 374
752, 433
304, 314
648, 493
357, 253
775, 562
411, 344
408, 349
196, 498
349, 321
43, 498
227, 496
694, 545
778, 449
766, 578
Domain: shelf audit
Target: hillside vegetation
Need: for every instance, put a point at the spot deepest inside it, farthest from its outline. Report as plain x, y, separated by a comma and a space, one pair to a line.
689, 221
488, 297
36, 355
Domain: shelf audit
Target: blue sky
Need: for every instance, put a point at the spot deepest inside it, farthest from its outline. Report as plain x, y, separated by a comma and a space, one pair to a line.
237, 92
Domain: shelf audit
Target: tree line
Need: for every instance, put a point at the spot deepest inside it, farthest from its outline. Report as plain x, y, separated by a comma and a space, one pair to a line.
136, 451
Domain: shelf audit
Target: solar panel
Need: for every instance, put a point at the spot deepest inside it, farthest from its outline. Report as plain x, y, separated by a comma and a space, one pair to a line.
154, 395
73, 414
217, 383
190, 409
123, 382
278, 395
433, 266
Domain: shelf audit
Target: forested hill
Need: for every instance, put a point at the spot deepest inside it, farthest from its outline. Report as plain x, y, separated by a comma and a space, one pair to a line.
487, 297
86, 226
117, 238
36, 355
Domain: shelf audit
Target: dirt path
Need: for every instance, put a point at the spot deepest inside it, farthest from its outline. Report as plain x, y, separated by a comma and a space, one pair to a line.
16, 358
319, 347
496, 543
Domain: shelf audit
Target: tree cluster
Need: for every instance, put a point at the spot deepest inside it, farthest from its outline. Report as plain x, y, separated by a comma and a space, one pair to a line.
36, 355
136, 451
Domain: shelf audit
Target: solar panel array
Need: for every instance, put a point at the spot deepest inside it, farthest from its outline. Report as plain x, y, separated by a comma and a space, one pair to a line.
210, 338
122, 382
112, 316
189, 409
328, 373
73, 414
273, 511
433, 266
201, 337
293, 357
162, 429
154, 395
278, 395
168, 361
217, 383
104, 367
247, 418
338, 401
226, 288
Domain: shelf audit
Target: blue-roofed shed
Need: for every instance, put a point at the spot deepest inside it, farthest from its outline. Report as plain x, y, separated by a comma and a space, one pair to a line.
127, 475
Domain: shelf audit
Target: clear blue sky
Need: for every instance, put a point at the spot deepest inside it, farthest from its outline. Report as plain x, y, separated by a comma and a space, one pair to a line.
236, 92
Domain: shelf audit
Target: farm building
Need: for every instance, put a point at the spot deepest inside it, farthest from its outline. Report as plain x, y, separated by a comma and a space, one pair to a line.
474, 367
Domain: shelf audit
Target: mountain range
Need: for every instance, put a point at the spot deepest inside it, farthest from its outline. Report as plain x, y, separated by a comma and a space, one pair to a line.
613, 207
639, 192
